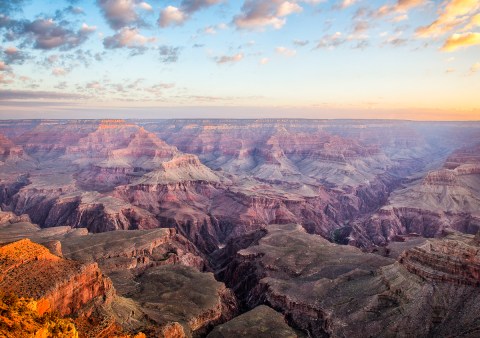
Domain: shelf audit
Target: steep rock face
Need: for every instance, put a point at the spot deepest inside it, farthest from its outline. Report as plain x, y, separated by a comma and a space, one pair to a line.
30, 270
455, 260
447, 198
121, 251
8, 150
117, 153
284, 268
330, 290
10, 218
50, 139
239, 175
276, 151
61, 204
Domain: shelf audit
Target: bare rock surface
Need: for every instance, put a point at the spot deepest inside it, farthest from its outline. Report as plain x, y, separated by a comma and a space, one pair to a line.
174, 296
30, 270
261, 322
331, 290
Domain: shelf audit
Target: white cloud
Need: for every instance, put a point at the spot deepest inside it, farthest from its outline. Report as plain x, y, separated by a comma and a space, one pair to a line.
230, 59
171, 16
286, 51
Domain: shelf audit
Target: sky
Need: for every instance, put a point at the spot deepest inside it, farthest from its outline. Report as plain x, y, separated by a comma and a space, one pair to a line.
380, 59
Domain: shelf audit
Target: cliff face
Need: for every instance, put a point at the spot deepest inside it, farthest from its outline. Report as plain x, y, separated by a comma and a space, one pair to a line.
330, 290
447, 198
454, 261
136, 251
215, 180
30, 270
156, 200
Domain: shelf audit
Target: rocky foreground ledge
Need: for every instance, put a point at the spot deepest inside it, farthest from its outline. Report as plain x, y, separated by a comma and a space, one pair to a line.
277, 281
159, 287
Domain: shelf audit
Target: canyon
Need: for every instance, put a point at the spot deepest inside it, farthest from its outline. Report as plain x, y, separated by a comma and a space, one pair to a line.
230, 228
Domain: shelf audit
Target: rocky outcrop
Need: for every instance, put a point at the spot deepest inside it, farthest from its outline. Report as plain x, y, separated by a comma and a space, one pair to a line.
448, 260
49, 140
234, 176
30, 270
262, 322
10, 218
285, 266
8, 150
180, 299
136, 251
330, 290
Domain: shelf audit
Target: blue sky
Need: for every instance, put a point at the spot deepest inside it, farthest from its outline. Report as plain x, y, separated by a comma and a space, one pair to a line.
410, 59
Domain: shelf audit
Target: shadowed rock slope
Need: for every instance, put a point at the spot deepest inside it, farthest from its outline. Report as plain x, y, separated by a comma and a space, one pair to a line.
330, 290
261, 322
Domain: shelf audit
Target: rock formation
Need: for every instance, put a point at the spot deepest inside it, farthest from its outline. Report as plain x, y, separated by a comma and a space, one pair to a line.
330, 290
261, 322
446, 198
157, 205
30, 270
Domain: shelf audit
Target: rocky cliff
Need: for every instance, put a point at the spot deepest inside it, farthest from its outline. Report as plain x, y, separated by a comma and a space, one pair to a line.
30, 270
330, 290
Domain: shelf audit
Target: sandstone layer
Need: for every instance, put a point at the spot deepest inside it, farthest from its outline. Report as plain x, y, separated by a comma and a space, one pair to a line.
30, 270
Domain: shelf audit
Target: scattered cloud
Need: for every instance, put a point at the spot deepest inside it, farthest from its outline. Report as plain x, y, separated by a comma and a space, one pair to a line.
475, 68
59, 71
210, 30
286, 51
454, 14
4, 67
159, 88
169, 54
400, 8
175, 16
36, 95
360, 27
213, 29
122, 13
12, 55
262, 13
264, 61
6, 78
94, 85
474, 22
127, 38
229, 58
331, 41
10, 6
61, 14
61, 85
301, 43
346, 3
44, 33
395, 39
171, 16
88, 29
457, 41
